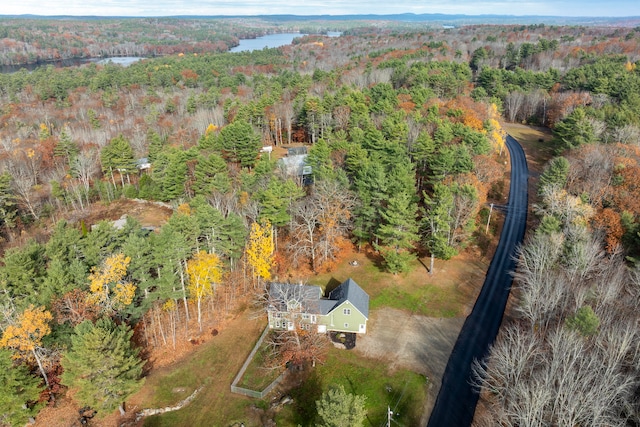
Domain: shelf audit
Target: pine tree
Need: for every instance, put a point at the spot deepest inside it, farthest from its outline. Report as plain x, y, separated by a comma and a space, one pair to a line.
117, 156
337, 408
399, 231
66, 148
8, 208
437, 223
211, 175
555, 173
239, 143
102, 365
19, 392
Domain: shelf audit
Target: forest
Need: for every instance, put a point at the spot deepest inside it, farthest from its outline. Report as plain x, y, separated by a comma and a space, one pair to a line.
404, 131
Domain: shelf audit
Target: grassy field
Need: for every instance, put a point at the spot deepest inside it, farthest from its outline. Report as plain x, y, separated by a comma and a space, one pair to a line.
403, 391
536, 142
446, 293
257, 376
213, 365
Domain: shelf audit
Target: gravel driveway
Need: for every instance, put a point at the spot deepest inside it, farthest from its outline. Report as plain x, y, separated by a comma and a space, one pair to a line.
418, 343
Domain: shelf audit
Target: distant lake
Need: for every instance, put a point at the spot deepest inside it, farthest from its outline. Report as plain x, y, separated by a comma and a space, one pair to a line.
271, 40
120, 60
246, 45
125, 61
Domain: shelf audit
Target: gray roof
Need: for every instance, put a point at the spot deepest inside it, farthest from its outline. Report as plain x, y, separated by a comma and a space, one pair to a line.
307, 295
349, 290
310, 297
293, 165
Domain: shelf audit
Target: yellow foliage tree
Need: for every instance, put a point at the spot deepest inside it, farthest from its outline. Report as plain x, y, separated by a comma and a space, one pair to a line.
26, 335
204, 273
211, 128
260, 250
630, 66
497, 135
108, 289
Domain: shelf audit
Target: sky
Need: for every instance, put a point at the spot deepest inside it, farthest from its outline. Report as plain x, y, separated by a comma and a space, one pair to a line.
600, 8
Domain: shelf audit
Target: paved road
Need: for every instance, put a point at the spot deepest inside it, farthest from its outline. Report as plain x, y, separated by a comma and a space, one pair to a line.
457, 399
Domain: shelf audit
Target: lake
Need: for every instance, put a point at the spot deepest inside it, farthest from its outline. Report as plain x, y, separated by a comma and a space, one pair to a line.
246, 45
271, 40
120, 60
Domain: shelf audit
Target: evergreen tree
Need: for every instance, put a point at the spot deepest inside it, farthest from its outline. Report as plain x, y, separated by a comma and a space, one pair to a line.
555, 174
276, 200
117, 156
155, 144
211, 175
575, 130
102, 241
66, 148
19, 392
399, 230
8, 208
319, 159
22, 272
437, 222
337, 408
102, 365
170, 173
239, 143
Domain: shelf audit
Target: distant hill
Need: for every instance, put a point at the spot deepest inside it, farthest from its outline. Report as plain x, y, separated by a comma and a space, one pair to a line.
437, 18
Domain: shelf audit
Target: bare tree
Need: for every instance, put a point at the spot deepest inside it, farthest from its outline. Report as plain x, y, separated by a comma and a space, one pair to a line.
543, 370
295, 338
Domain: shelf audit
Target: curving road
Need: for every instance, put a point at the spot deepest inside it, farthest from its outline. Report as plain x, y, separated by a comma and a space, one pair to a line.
457, 399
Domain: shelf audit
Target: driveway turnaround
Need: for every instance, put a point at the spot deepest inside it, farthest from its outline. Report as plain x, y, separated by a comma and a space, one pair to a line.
457, 399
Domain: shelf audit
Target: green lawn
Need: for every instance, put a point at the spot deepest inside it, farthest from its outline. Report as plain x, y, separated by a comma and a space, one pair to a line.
428, 300
213, 365
443, 294
403, 391
257, 376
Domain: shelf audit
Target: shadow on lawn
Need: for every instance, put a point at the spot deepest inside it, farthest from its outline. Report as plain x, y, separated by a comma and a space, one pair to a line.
305, 396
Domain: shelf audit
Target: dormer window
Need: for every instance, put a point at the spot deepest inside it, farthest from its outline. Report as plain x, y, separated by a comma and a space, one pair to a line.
293, 305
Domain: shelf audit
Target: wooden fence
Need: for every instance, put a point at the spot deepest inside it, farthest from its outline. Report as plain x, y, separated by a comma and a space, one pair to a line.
246, 391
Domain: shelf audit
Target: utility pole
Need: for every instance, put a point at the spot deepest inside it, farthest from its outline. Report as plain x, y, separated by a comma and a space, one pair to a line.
489, 218
389, 414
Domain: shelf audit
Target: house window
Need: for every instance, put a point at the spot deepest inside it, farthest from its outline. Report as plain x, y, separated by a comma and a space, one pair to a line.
346, 311
278, 315
277, 323
305, 317
346, 325
313, 318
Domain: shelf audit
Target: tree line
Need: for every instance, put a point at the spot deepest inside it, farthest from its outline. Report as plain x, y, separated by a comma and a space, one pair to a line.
405, 151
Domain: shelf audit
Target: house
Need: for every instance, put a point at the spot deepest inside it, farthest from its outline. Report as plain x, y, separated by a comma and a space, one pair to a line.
143, 163
292, 306
295, 166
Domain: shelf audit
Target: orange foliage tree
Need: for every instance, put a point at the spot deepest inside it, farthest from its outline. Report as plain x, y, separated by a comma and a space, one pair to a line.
74, 308
609, 220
